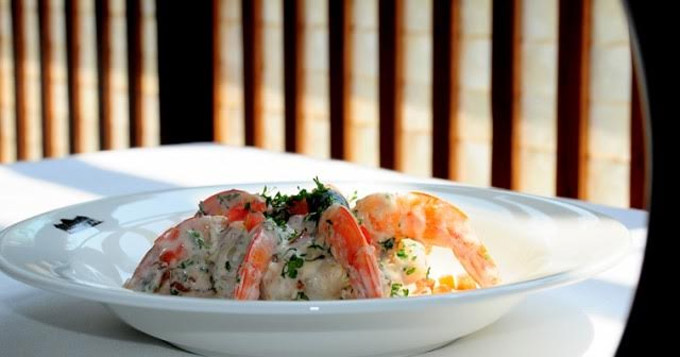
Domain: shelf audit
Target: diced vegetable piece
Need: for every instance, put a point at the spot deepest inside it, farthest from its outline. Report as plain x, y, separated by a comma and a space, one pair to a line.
448, 281
465, 282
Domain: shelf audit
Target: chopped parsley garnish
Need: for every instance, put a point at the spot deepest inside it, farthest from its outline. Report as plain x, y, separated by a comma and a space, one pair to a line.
198, 238
186, 263
320, 198
316, 246
410, 270
353, 197
398, 289
427, 275
487, 256
201, 209
292, 265
318, 257
401, 253
294, 235
223, 199
388, 244
301, 296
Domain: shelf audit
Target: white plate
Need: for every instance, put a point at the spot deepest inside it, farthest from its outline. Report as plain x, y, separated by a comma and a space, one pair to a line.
538, 243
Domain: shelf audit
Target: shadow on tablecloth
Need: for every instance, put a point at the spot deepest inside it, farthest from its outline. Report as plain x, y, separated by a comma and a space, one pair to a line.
81, 317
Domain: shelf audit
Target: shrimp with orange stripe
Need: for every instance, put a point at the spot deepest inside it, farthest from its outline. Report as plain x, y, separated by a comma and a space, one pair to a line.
417, 221
312, 245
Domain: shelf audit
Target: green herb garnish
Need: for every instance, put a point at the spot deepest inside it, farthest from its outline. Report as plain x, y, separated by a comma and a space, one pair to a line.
201, 209
301, 296
353, 197
318, 257
198, 238
223, 199
292, 266
398, 289
388, 244
316, 246
317, 201
186, 263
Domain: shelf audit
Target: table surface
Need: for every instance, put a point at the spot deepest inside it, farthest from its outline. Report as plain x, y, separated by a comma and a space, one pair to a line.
587, 318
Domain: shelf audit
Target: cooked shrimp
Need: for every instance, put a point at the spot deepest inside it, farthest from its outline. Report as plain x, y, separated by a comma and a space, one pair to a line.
236, 205
352, 250
176, 264
430, 220
256, 262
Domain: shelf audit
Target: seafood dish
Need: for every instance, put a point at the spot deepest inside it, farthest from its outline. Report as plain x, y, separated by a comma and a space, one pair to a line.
315, 245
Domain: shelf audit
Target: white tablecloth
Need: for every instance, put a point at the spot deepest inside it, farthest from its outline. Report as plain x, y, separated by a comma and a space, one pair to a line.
582, 319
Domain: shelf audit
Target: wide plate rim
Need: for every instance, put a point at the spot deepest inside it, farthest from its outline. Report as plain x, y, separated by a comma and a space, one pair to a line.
122, 297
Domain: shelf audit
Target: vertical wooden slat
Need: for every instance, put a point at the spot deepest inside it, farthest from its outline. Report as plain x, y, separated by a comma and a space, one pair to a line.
134, 23
27, 79
339, 12
46, 58
82, 76
252, 69
104, 53
505, 77
445, 29
7, 94
390, 63
55, 80
314, 133
227, 74
150, 105
19, 82
536, 134
293, 38
143, 73
639, 178
73, 62
113, 74
136, 114
218, 119
362, 134
572, 96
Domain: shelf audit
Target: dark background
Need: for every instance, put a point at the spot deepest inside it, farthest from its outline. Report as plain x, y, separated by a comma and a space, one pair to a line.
649, 326
185, 71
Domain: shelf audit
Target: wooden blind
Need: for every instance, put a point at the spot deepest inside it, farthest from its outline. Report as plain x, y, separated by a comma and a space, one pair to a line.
228, 71
532, 95
362, 126
27, 79
7, 95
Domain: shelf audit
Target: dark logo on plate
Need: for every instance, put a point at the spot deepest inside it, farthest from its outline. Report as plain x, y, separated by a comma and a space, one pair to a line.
77, 224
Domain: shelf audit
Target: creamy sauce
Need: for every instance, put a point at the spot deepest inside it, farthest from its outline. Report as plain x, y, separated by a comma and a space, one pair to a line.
207, 253
303, 267
202, 255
